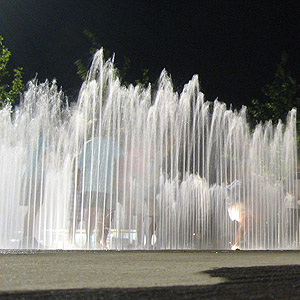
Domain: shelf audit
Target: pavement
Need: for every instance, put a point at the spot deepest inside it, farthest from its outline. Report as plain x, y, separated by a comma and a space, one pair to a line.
149, 274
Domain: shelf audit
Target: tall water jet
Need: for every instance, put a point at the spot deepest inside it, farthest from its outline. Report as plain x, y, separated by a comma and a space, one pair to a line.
132, 168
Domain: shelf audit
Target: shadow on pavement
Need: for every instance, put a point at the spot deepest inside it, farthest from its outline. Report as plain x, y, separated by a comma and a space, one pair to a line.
264, 282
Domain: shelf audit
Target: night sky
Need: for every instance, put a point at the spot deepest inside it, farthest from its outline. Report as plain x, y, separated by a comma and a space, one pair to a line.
234, 47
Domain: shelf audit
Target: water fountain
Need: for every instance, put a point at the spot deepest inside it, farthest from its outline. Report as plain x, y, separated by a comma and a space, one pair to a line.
158, 169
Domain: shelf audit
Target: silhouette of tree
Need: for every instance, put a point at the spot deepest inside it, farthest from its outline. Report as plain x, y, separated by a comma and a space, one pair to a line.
123, 65
280, 96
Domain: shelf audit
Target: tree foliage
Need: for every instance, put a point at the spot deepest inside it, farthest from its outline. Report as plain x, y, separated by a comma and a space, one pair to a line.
82, 64
280, 96
11, 85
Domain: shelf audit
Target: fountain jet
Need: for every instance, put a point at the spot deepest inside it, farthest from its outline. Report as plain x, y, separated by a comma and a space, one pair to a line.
129, 168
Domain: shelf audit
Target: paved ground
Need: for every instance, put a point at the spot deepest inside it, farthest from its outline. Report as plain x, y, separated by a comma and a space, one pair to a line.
149, 274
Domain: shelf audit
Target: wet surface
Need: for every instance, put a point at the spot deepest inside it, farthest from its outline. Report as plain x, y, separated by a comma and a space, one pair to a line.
264, 282
150, 275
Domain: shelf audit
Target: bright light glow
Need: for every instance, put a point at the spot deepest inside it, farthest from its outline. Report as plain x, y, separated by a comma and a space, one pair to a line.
235, 247
234, 213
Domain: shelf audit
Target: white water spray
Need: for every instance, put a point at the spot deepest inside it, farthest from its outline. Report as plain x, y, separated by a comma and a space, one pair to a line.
126, 168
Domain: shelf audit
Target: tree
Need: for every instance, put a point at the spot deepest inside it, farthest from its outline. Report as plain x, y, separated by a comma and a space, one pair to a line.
281, 96
83, 63
123, 65
11, 85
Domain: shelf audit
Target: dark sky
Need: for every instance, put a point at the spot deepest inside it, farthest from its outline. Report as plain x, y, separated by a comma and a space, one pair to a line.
234, 47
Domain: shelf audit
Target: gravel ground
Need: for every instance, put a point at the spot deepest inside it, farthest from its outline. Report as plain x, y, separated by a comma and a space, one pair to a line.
149, 275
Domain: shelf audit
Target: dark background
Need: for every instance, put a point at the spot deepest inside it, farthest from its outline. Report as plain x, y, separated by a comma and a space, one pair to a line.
233, 46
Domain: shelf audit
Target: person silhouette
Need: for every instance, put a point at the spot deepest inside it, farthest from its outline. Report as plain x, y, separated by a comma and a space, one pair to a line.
96, 171
238, 212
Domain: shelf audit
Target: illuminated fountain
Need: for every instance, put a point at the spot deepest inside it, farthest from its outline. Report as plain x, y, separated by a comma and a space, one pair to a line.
155, 170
